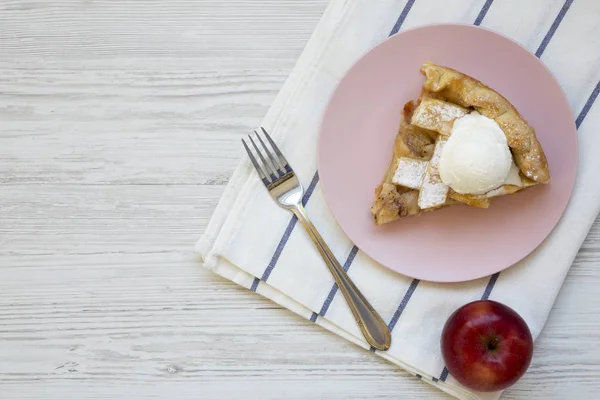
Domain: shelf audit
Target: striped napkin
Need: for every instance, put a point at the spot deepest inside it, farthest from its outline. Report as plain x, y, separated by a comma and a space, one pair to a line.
277, 259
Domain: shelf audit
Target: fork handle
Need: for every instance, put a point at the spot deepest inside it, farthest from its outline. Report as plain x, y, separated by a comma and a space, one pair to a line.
372, 326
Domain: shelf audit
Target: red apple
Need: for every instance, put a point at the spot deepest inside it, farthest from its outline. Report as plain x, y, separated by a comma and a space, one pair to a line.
486, 346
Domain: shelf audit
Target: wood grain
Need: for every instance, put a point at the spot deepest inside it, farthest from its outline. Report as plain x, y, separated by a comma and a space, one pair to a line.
119, 127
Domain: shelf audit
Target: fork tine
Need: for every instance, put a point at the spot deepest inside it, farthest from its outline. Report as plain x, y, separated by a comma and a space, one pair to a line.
274, 161
282, 160
257, 166
268, 165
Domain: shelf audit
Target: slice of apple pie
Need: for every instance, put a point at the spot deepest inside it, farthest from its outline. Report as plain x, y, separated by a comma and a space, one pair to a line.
460, 142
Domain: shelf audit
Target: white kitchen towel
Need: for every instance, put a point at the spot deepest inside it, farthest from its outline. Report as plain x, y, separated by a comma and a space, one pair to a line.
258, 245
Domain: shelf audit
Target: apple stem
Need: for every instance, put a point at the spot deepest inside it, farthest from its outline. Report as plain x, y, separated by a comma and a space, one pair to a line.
493, 343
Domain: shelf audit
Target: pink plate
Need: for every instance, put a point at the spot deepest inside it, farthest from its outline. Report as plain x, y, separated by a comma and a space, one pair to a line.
457, 243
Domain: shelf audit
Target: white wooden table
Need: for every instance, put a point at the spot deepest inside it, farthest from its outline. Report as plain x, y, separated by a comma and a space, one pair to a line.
119, 127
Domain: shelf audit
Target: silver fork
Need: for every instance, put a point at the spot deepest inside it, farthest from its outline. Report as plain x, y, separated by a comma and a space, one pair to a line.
285, 188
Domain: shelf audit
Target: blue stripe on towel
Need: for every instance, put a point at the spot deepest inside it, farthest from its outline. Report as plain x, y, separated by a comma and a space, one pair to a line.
286, 235
492, 282
354, 250
588, 105
553, 28
482, 13
402, 17
490, 286
335, 288
444, 375
409, 292
494, 278
315, 180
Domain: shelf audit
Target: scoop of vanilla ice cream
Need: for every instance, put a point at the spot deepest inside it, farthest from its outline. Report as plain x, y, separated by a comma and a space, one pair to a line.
476, 157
